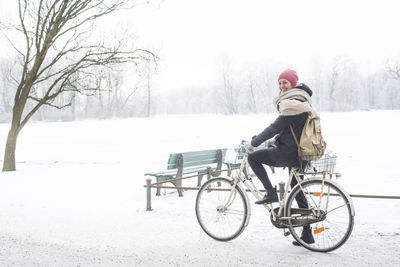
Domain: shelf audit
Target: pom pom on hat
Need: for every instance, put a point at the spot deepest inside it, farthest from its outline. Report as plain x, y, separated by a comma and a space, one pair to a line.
289, 75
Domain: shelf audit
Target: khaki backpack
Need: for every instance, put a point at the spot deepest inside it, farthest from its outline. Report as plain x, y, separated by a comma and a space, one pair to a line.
312, 145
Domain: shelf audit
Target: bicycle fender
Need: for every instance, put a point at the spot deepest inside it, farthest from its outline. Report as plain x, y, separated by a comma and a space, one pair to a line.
335, 184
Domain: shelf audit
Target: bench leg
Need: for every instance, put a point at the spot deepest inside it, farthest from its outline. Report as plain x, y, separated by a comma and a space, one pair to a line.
272, 169
160, 179
245, 173
148, 194
229, 169
199, 178
158, 189
178, 183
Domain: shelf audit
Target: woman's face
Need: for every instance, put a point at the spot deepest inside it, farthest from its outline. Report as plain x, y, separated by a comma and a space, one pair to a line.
284, 85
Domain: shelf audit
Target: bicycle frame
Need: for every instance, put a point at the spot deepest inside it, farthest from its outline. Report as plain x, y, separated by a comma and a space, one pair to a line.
237, 180
254, 190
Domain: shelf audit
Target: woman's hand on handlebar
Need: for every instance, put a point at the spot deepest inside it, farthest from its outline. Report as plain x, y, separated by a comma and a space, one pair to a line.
247, 146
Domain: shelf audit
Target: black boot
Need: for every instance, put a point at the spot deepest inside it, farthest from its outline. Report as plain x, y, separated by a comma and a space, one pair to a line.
306, 236
270, 197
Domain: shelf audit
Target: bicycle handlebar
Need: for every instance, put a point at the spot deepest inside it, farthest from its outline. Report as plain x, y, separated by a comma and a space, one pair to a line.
240, 149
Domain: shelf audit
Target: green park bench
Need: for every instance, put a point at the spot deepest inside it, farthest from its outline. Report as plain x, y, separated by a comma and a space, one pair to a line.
199, 162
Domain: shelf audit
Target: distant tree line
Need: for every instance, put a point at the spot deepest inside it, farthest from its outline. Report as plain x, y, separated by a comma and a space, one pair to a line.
339, 86
134, 93
120, 91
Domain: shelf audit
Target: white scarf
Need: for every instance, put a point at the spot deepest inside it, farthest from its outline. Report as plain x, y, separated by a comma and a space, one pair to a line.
292, 102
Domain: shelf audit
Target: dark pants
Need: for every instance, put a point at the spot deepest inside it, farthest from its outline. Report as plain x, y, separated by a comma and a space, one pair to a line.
276, 157
300, 198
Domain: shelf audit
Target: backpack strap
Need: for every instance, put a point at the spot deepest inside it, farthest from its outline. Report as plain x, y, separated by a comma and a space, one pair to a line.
298, 146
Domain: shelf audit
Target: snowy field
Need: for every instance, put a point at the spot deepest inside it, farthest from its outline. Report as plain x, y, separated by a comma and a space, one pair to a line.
77, 197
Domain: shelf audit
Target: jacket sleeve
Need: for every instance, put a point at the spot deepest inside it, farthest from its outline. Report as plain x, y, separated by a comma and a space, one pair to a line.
275, 128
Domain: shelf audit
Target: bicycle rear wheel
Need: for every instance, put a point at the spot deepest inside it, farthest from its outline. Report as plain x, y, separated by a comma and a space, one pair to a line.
329, 214
221, 209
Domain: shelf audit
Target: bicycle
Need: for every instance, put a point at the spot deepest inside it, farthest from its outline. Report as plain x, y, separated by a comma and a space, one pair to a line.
223, 207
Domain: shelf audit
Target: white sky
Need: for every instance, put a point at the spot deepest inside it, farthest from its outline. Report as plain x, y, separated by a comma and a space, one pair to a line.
193, 36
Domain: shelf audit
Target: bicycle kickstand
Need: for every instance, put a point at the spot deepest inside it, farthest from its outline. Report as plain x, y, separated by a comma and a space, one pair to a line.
285, 232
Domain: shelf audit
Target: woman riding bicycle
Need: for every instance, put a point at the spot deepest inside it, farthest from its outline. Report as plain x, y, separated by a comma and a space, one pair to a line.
293, 104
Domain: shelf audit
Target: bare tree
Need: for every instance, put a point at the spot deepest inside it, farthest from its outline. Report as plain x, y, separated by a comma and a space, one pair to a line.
59, 53
268, 90
6, 81
332, 85
117, 98
149, 73
342, 84
393, 69
230, 94
394, 93
252, 105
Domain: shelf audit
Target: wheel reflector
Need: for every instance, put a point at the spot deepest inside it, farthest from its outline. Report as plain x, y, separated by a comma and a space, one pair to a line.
319, 230
317, 194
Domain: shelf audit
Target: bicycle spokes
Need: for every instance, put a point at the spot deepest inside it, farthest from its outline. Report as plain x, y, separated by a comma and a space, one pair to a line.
221, 209
330, 217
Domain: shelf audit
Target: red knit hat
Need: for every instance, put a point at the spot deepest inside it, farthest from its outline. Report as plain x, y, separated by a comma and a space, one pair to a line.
289, 75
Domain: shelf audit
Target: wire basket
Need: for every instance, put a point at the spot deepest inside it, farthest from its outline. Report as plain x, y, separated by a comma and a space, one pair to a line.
326, 163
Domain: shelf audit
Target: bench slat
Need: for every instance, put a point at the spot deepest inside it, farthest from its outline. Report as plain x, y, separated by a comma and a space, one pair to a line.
192, 163
185, 171
198, 158
200, 162
193, 155
202, 152
195, 158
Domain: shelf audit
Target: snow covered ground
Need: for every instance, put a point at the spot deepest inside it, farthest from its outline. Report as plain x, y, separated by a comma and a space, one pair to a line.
77, 197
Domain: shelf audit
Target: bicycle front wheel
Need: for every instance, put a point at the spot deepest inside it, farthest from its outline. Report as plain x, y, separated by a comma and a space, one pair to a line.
221, 209
323, 207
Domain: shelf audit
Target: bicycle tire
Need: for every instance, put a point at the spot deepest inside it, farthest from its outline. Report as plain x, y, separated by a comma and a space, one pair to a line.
336, 222
215, 218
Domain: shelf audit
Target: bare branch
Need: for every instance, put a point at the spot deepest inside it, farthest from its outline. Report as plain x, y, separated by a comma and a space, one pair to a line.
12, 43
394, 71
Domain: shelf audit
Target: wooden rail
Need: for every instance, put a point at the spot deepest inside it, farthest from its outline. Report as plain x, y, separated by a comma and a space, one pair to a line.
263, 190
149, 185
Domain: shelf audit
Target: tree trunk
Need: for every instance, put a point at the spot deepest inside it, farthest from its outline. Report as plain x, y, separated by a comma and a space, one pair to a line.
9, 155
148, 95
253, 106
